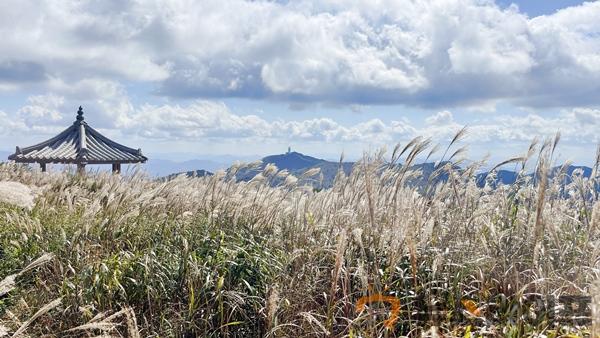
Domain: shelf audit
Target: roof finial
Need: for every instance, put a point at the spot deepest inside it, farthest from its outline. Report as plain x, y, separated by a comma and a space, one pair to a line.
80, 114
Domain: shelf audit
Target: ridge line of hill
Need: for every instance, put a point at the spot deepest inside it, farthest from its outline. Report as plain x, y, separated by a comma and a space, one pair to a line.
297, 163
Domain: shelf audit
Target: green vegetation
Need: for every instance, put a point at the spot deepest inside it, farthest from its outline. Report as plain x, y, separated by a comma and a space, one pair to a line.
105, 255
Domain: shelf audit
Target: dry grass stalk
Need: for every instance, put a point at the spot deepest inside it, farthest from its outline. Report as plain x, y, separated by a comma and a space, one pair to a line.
271, 307
539, 226
3, 331
595, 307
131, 321
9, 282
45, 309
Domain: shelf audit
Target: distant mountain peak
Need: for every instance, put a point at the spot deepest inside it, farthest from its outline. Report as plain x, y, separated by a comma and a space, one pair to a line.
292, 160
291, 154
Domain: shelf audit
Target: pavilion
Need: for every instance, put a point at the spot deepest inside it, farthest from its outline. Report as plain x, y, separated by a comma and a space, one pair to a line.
79, 144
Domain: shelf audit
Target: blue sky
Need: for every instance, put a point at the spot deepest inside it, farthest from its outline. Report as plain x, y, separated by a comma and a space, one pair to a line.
187, 79
540, 7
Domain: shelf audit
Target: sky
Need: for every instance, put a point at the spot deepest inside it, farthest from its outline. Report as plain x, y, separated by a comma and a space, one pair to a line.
185, 79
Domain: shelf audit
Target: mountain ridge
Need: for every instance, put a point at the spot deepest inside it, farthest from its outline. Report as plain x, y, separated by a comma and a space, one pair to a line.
298, 163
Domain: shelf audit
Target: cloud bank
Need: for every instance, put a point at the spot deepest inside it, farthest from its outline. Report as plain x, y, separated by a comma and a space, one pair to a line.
439, 53
204, 120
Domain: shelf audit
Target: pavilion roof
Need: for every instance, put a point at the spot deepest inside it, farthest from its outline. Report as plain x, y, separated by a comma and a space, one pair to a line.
79, 144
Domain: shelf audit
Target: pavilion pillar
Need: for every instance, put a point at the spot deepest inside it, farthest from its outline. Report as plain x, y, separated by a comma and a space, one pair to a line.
81, 168
43, 167
116, 168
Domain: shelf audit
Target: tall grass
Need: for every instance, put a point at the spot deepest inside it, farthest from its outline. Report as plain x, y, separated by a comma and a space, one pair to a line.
209, 257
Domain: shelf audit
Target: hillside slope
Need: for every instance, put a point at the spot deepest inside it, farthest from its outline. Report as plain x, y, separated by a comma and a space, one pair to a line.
298, 164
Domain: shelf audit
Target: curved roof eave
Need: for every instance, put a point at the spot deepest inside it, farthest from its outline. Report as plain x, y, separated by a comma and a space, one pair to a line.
92, 147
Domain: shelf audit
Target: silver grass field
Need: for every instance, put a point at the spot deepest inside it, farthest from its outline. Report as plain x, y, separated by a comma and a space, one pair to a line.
105, 255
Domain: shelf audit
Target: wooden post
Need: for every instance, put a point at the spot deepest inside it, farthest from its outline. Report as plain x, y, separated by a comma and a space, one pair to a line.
116, 168
43, 167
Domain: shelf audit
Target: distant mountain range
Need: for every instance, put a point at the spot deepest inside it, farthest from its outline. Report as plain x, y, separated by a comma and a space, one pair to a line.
297, 164
507, 177
161, 167
191, 173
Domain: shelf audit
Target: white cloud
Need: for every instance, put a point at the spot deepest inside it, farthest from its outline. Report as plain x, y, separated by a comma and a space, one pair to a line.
208, 119
488, 41
8, 125
586, 116
71, 41
202, 120
425, 53
212, 121
440, 118
41, 110
199, 120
